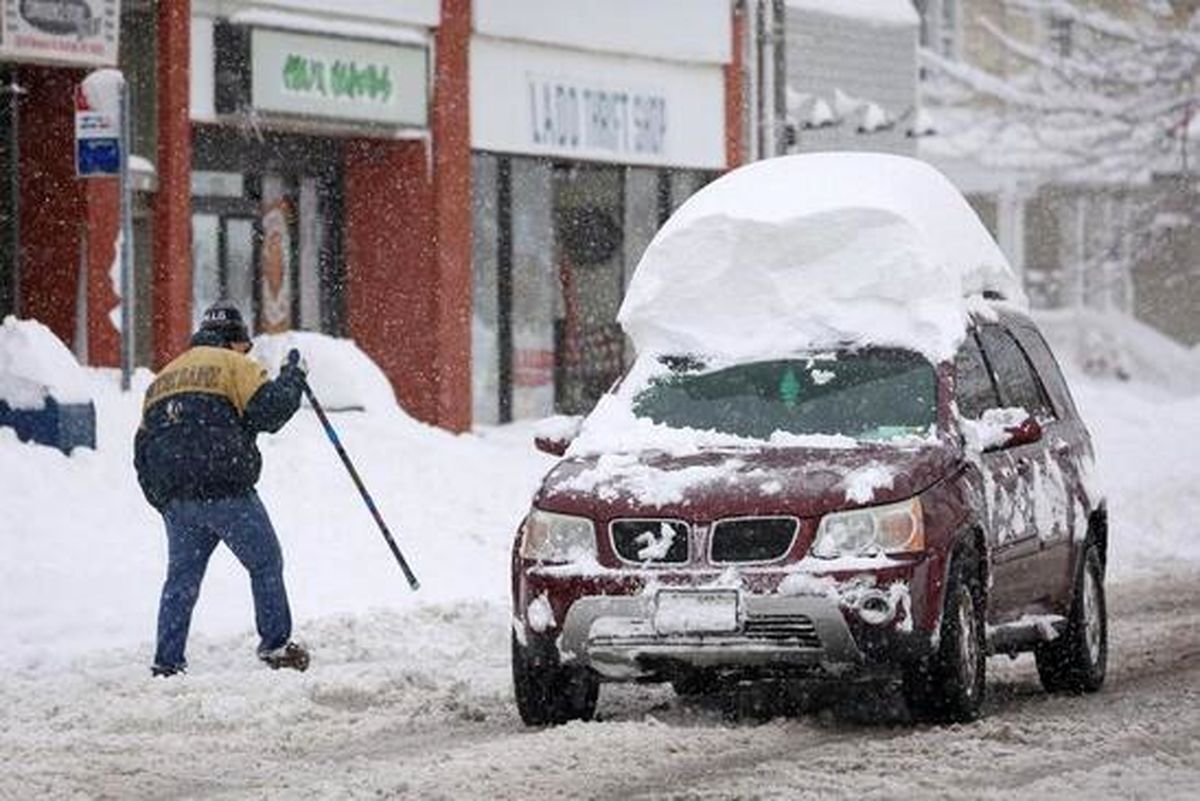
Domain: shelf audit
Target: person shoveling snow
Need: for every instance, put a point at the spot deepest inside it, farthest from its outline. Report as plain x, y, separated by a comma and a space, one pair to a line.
197, 463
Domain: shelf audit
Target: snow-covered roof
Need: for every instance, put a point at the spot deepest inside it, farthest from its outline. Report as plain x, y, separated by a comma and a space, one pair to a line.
877, 12
814, 250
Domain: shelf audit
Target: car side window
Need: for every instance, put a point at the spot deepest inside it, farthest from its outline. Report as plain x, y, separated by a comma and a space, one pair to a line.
1034, 344
974, 391
1019, 384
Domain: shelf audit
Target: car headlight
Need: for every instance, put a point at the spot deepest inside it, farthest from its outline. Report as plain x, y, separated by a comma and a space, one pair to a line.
551, 537
895, 528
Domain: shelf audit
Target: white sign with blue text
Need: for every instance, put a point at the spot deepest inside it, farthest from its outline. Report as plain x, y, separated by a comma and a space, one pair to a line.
97, 141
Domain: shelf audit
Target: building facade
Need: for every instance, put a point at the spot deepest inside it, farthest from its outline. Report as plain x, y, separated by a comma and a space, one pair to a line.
58, 232
851, 75
590, 123
462, 187
1085, 233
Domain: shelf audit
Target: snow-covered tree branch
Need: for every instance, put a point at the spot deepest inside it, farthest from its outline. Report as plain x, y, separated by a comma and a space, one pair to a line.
1118, 98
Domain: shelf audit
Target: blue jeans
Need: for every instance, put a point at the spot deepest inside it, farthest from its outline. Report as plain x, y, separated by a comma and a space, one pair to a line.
193, 530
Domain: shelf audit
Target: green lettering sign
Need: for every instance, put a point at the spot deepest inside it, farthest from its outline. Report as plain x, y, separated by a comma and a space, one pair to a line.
342, 79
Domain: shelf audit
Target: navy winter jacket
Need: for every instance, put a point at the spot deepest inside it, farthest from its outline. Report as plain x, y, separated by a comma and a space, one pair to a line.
200, 419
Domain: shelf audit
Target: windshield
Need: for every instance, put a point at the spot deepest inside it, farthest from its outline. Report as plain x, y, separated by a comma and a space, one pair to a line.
867, 395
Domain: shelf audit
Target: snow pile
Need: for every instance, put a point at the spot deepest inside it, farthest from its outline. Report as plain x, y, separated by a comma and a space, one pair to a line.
34, 364
85, 556
1112, 345
341, 376
815, 250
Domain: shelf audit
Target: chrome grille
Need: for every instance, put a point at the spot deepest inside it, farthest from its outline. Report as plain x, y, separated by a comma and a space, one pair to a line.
651, 541
752, 539
795, 629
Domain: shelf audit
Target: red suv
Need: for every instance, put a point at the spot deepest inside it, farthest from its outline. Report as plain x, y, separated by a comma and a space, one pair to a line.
949, 519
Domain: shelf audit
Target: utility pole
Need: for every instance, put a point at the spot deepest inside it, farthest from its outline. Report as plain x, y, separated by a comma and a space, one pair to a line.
10, 233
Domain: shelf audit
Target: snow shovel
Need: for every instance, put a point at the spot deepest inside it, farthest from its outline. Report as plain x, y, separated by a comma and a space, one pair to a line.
337, 443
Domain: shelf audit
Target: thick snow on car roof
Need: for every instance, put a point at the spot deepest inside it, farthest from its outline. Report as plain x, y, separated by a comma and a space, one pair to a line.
812, 251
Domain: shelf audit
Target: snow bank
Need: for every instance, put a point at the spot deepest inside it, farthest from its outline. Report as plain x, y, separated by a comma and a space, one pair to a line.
341, 376
1115, 346
85, 555
34, 364
809, 251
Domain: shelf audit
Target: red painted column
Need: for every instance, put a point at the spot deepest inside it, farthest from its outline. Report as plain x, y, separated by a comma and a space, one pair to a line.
450, 125
172, 293
102, 199
389, 264
735, 92
52, 216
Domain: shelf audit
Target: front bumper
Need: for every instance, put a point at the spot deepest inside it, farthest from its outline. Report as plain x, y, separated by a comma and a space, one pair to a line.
616, 637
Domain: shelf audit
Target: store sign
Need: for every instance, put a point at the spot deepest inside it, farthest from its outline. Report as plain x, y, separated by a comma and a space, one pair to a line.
341, 79
60, 31
581, 105
578, 116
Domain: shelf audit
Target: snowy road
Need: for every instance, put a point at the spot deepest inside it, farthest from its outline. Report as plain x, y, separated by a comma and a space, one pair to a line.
372, 721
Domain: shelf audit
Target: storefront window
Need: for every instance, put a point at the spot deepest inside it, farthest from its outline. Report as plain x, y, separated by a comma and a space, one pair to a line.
555, 244
265, 214
485, 300
588, 249
641, 214
535, 302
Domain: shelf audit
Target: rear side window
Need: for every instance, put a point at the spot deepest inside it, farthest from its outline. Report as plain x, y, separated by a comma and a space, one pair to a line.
1019, 385
1047, 366
974, 391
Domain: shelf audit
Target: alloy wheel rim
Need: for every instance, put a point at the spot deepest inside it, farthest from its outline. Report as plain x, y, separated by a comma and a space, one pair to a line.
968, 647
1091, 616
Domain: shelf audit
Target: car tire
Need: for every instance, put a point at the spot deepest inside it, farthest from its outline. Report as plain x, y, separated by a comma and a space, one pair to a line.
549, 694
1077, 660
949, 686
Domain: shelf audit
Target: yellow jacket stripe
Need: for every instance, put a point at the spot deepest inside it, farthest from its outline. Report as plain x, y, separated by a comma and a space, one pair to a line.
215, 371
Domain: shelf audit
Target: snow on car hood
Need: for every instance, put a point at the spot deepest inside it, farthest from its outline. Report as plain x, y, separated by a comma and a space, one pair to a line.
711, 483
813, 251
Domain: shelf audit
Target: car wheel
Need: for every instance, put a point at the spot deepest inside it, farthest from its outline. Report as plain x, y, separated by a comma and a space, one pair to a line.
548, 693
1076, 662
950, 685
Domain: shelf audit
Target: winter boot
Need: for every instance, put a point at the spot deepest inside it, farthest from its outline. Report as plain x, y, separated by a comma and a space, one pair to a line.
168, 670
291, 655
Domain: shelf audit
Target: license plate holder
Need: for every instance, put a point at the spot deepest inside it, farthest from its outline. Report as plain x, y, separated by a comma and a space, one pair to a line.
696, 611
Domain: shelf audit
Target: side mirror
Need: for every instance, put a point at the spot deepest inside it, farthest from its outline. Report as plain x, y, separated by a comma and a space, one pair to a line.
999, 429
1027, 432
555, 434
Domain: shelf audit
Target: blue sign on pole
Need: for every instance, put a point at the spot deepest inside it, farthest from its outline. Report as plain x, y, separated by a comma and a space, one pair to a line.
95, 157
97, 140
